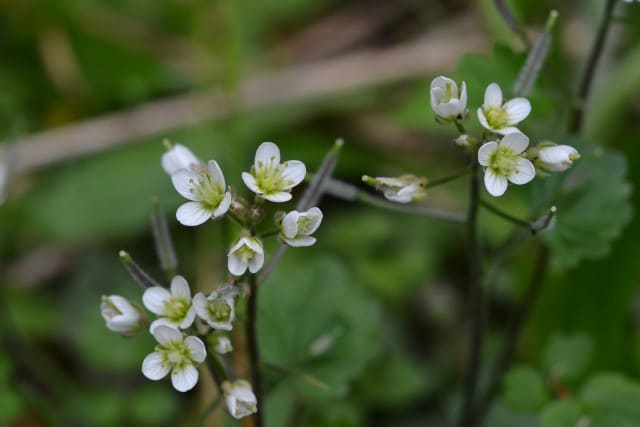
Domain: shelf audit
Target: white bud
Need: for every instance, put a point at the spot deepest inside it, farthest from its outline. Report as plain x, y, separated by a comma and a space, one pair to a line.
446, 102
403, 189
556, 158
239, 398
121, 315
221, 344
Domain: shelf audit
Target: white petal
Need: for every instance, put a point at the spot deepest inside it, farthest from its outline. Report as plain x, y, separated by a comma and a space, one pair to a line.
484, 153
436, 93
483, 120
178, 157
237, 245
524, 173
153, 366
290, 224
556, 154
251, 183
188, 319
397, 197
180, 287
507, 130
183, 181
216, 173
279, 197
293, 173
200, 304
518, 110
192, 214
463, 97
315, 215
165, 334
154, 299
235, 265
450, 109
516, 142
255, 263
496, 184
162, 321
184, 379
493, 96
254, 244
224, 205
301, 241
267, 153
196, 346
441, 83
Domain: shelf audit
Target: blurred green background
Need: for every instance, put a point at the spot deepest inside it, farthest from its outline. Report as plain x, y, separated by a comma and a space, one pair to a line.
387, 289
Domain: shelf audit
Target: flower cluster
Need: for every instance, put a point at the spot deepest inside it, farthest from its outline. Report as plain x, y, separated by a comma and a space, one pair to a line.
504, 155
187, 328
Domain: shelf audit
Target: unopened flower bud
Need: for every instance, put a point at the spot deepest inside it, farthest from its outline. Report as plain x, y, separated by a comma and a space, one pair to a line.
239, 398
221, 343
403, 189
446, 102
556, 158
121, 315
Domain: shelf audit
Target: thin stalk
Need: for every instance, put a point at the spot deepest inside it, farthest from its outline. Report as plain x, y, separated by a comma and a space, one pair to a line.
208, 411
476, 305
576, 116
269, 233
514, 331
254, 351
502, 214
445, 179
512, 22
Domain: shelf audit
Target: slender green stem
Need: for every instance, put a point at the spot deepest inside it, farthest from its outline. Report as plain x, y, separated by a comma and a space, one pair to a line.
380, 202
460, 127
476, 305
234, 217
254, 351
218, 372
309, 379
514, 330
208, 411
502, 214
576, 116
512, 22
269, 233
445, 179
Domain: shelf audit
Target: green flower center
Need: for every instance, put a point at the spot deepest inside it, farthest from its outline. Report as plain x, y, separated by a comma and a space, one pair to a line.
304, 225
503, 161
497, 117
245, 253
176, 354
269, 178
176, 308
219, 310
207, 191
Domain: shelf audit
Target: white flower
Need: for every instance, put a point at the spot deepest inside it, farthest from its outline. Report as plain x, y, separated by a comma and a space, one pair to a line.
176, 354
218, 309
180, 157
503, 161
121, 315
206, 190
297, 227
246, 253
175, 307
403, 189
221, 344
499, 117
556, 158
271, 179
239, 398
445, 100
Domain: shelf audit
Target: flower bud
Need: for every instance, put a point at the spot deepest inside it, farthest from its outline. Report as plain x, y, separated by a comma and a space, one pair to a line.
447, 103
179, 157
121, 315
239, 398
466, 141
403, 189
221, 343
556, 158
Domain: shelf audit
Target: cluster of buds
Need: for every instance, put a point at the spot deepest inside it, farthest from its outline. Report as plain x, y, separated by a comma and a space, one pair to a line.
183, 324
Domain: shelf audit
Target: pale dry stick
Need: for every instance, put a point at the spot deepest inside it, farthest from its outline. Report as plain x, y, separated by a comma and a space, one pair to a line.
437, 50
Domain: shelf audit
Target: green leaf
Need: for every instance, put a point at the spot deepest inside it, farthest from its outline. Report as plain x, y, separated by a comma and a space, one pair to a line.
501, 416
567, 357
312, 319
524, 390
561, 413
593, 201
612, 401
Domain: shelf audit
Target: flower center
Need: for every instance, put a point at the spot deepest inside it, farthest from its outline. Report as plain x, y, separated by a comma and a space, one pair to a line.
497, 117
304, 225
245, 253
176, 308
270, 177
219, 310
207, 191
176, 354
503, 161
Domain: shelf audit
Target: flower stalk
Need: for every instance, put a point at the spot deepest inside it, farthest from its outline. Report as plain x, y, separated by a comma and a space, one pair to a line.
253, 347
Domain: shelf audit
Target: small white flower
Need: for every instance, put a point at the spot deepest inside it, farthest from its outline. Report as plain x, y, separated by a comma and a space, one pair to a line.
499, 117
177, 354
447, 103
221, 344
297, 227
503, 161
175, 307
271, 179
556, 158
403, 189
239, 398
121, 315
246, 253
218, 309
206, 189
180, 157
